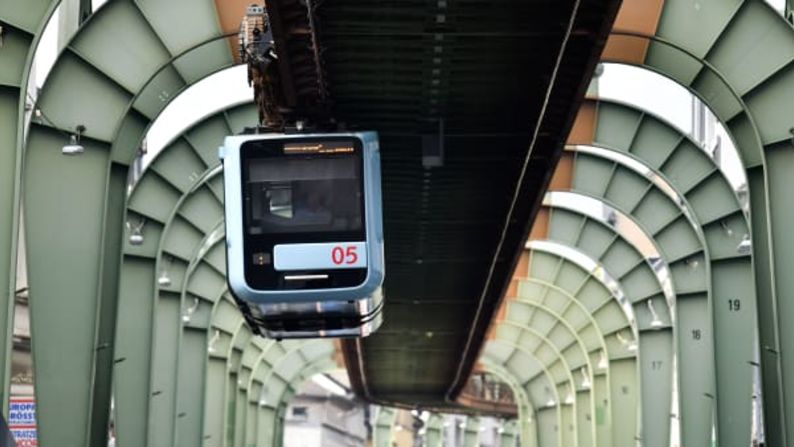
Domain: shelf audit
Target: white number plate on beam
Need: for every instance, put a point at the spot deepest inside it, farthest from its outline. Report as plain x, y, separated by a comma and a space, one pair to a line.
334, 255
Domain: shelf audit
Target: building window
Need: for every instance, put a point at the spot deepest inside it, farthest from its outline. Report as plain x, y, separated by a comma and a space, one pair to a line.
300, 413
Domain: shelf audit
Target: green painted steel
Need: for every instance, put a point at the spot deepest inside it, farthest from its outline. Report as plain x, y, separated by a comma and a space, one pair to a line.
509, 436
560, 367
384, 421
626, 259
683, 250
198, 281
22, 28
589, 334
724, 60
197, 212
471, 432
537, 381
317, 362
590, 306
716, 210
434, 434
564, 341
76, 83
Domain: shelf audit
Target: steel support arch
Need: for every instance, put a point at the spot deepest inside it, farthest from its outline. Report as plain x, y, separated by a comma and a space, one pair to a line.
661, 365
722, 228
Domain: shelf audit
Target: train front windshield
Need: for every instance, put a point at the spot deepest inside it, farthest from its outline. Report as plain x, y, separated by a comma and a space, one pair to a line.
301, 195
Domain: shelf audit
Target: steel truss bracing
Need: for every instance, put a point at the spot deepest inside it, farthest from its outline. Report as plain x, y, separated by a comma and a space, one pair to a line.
175, 315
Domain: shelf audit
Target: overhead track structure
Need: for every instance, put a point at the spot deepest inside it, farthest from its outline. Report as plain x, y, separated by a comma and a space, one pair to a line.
118, 91
471, 102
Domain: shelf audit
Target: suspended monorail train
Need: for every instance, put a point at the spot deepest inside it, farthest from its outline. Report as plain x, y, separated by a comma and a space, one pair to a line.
304, 232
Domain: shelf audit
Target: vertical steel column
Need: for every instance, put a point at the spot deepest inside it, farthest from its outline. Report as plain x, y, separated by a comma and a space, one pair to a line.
384, 421
434, 434
21, 32
108, 288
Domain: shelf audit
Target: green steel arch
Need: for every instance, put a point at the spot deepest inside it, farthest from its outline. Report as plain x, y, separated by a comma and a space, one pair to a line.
593, 344
630, 257
551, 266
434, 431
188, 230
716, 206
674, 232
162, 217
22, 30
386, 422
671, 159
525, 431
545, 388
230, 336
385, 417
116, 96
607, 318
544, 350
721, 52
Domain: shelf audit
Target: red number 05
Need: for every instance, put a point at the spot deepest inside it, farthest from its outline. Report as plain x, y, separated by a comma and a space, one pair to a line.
341, 255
